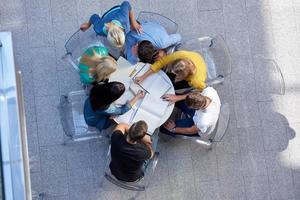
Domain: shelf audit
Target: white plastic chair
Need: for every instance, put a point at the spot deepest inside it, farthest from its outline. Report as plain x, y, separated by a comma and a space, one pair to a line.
268, 78
72, 118
216, 56
170, 26
139, 185
214, 133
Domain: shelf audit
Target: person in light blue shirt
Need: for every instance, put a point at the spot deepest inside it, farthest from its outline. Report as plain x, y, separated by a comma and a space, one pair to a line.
153, 32
114, 24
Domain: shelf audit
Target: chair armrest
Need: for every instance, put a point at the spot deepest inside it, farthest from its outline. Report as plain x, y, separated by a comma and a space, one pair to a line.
69, 59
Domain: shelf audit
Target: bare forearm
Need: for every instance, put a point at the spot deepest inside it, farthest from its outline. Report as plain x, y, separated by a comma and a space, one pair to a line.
187, 131
132, 17
150, 148
147, 74
181, 97
133, 100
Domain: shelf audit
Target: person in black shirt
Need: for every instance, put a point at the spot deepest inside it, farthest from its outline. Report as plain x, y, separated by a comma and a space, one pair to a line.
130, 148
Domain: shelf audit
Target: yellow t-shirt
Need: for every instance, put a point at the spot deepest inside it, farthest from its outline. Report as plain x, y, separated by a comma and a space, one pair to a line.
198, 79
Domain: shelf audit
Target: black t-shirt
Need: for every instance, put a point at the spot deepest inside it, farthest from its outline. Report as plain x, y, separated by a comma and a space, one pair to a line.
127, 159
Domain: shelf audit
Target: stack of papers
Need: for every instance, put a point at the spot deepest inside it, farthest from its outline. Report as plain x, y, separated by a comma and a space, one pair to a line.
152, 107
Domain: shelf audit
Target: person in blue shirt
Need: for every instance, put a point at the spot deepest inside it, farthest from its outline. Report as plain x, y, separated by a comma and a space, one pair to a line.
99, 107
114, 24
153, 32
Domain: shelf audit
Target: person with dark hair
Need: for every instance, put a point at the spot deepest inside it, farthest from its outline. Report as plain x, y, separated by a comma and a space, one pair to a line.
157, 39
130, 148
202, 110
99, 107
147, 53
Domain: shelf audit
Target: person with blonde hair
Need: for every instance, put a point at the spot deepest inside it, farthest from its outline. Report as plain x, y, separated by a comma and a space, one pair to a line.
186, 65
114, 24
96, 65
202, 110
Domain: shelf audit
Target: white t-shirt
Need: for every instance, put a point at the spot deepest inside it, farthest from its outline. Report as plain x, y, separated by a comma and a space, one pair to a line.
208, 117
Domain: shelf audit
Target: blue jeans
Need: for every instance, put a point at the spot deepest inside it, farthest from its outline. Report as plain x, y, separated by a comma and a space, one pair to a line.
154, 139
182, 123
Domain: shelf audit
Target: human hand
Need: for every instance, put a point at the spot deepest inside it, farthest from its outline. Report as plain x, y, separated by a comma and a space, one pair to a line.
161, 54
138, 79
140, 94
147, 139
170, 124
137, 27
170, 97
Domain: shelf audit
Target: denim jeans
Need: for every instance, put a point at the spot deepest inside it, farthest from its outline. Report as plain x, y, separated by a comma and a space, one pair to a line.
182, 123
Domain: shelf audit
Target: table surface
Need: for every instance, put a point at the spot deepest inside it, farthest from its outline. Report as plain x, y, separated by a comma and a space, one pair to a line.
122, 75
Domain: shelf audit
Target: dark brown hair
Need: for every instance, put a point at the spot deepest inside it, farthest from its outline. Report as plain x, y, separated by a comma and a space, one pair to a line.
102, 95
137, 130
147, 52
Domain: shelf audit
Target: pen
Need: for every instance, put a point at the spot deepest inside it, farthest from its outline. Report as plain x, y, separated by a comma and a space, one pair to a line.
131, 73
143, 88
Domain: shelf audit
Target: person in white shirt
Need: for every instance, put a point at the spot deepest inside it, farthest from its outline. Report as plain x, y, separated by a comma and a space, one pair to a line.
202, 110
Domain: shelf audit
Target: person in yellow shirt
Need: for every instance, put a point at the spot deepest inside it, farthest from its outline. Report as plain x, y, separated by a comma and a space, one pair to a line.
186, 65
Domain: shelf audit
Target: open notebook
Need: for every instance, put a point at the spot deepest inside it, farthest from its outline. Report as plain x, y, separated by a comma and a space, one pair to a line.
151, 108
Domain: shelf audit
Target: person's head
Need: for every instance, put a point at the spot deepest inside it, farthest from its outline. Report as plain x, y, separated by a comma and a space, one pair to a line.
116, 35
91, 60
196, 100
106, 66
102, 95
182, 68
146, 52
137, 131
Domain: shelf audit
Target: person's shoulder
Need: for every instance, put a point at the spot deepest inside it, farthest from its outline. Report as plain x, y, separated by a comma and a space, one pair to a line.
117, 134
211, 93
208, 91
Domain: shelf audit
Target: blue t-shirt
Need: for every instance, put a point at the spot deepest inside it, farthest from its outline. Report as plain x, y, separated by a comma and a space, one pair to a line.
153, 32
120, 14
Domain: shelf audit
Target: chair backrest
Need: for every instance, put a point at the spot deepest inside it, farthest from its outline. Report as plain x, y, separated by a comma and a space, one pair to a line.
72, 118
268, 78
66, 118
166, 22
222, 123
215, 53
78, 43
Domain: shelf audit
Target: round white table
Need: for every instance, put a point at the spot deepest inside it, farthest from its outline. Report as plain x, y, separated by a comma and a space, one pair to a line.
123, 75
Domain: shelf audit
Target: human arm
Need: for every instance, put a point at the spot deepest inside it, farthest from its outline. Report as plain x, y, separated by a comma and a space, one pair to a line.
115, 110
134, 24
140, 94
147, 141
171, 126
159, 64
122, 127
174, 98
141, 78
127, 11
